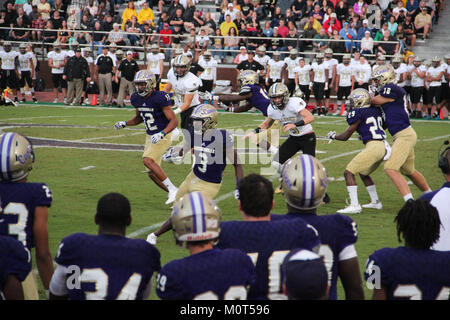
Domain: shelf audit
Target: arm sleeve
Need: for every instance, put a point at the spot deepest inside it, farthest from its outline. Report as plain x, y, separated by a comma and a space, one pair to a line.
58, 285
353, 116
348, 234
44, 196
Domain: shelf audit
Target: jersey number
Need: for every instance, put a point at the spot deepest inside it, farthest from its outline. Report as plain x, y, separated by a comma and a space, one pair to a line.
377, 124
203, 162
412, 292
264, 93
149, 121
18, 228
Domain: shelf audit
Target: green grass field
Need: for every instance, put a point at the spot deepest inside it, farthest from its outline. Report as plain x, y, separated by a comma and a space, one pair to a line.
76, 191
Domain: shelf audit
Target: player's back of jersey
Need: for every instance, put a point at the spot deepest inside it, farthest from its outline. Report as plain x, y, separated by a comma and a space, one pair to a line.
212, 274
371, 123
396, 112
336, 232
259, 100
15, 260
18, 202
411, 273
267, 243
112, 267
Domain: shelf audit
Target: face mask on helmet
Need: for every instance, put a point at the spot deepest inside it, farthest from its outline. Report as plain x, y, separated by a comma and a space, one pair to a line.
278, 101
141, 88
180, 70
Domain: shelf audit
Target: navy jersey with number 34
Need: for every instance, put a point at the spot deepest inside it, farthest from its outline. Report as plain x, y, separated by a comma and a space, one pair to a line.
18, 201
371, 125
151, 110
396, 114
410, 274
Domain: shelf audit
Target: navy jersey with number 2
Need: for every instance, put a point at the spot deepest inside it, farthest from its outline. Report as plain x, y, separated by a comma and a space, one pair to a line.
371, 125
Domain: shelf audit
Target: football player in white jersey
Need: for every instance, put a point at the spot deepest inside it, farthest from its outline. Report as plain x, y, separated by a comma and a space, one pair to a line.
343, 84
400, 74
362, 74
303, 74
26, 67
263, 59
57, 60
416, 74
445, 82
319, 83
434, 78
274, 68
209, 74
185, 86
331, 65
408, 67
291, 63
10, 73
155, 61
380, 61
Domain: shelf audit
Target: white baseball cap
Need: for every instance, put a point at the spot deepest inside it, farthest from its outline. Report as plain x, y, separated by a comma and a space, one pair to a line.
129, 52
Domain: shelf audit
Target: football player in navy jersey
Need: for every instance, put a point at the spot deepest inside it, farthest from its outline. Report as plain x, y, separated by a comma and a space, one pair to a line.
107, 266
266, 242
15, 265
393, 101
24, 207
368, 122
208, 273
304, 183
255, 96
414, 271
211, 148
153, 107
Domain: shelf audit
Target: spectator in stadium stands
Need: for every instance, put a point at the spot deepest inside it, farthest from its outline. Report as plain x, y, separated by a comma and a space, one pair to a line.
37, 24
128, 69
134, 27
98, 38
174, 7
337, 46
76, 71
48, 35
282, 29
210, 23
277, 43
410, 31
231, 11
401, 37
252, 34
247, 9
317, 14
277, 16
320, 44
367, 43
164, 18
292, 41
64, 33
304, 276
308, 33
332, 24
116, 36
239, 21
422, 23
26, 21
202, 41
222, 8
297, 7
196, 19
146, 15
44, 9
431, 7
289, 16
342, 10
388, 48
107, 23
347, 34
19, 35
231, 41
242, 56
177, 19
360, 8
267, 30
165, 41
412, 7
177, 37
380, 33
399, 8
191, 39
128, 13
314, 23
218, 46
226, 25
392, 25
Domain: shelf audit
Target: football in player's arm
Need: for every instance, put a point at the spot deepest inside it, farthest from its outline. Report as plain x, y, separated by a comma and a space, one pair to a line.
27, 202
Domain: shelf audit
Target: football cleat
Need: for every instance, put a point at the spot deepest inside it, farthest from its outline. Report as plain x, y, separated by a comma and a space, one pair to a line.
351, 209
373, 205
172, 195
152, 238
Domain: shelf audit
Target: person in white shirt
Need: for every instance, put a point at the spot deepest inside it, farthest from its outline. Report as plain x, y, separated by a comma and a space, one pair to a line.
354, 62
303, 73
9, 69
291, 63
434, 78
319, 82
367, 43
57, 60
416, 75
274, 68
155, 62
27, 70
343, 84
263, 59
231, 11
331, 66
209, 75
409, 65
445, 83
242, 56
362, 74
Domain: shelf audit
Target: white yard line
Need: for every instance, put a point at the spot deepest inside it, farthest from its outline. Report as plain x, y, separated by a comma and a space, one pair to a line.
87, 168
435, 138
109, 137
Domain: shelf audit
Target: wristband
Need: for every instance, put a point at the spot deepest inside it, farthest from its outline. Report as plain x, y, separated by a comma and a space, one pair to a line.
257, 130
163, 133
300, 123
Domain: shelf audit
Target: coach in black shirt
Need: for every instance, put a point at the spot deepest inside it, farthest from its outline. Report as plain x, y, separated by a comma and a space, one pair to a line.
105, 67
128, 68
250, 64
75, 72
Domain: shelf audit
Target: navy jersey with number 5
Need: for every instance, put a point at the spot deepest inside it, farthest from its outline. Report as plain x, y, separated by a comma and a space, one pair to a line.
209, 275
209, 151
18, 201
111, 267
259, 100
337, 233
371, 125
408, 273
15, 260
151, 110
267, 243
396, 114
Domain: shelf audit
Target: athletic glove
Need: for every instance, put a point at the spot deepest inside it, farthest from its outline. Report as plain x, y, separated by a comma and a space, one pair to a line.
120, 125
326, 85
177, 111
331, 135
236, 194
157, 136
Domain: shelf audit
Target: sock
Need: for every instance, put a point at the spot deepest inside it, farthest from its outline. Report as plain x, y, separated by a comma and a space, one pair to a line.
273, 150
408, 197
353, 193
372, 193
427, 191
169, 185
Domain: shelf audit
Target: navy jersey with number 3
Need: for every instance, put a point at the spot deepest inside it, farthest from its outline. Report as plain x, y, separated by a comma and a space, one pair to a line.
396, 114
410, 274
267, 243
209, 275
371, 125
151, 110
18, 201
111, 267
259, 100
